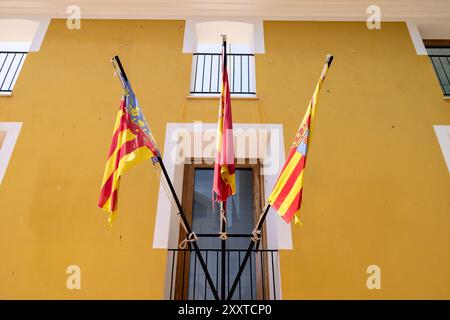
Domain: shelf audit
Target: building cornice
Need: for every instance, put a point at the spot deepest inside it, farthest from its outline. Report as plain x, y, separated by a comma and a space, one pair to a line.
328, 10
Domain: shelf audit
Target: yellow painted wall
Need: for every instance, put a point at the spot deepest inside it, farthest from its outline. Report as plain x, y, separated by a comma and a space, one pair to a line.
376, 187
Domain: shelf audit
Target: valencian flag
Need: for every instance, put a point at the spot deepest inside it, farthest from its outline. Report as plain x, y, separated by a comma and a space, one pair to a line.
286, 197
224, 184
132, 142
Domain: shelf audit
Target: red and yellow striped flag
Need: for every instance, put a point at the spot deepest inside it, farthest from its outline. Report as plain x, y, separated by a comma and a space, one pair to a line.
224, 184
286, 197
132, 142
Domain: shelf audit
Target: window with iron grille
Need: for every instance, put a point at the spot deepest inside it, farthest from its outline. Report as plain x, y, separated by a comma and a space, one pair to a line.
206, 73
259, 278
440, 57
10, 65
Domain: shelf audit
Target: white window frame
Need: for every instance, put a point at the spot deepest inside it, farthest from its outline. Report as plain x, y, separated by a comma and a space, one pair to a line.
12, 133
443, 136
165, 234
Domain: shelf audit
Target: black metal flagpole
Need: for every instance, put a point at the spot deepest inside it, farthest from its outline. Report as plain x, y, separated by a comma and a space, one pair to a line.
177, 201
119, 64
223, 212
189, 230
255, 242
223, 249
257, 231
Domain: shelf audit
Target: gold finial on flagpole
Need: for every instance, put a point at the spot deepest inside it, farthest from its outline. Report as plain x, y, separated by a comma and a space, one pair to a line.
224, 37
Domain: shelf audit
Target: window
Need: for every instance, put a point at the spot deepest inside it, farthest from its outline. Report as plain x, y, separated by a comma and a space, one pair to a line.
10, 64
269, 156
203, 39
439, 53
243, 210
17, 38
206, 73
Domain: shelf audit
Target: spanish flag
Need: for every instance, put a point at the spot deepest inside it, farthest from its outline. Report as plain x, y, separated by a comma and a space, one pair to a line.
132, 142
286, 197
224, 184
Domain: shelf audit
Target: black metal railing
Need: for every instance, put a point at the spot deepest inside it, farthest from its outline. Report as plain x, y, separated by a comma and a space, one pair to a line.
259, 280
10, 64
207, 71
441, 63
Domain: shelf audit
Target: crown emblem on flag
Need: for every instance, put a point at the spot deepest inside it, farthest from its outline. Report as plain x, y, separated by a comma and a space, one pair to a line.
301, 136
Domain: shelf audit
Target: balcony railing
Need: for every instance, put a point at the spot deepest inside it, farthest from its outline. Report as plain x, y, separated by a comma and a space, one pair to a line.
206, 73
10, 64
441, 63
259, 280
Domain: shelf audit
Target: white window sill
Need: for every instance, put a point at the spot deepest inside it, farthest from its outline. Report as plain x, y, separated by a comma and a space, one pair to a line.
217, 96
5, 94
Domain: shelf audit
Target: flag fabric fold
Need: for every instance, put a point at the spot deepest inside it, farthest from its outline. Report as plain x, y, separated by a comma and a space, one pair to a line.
132, 143
286, 196
224, 184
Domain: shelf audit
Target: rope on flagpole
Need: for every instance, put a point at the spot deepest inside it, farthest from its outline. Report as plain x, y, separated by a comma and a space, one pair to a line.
223, 220
256, 232
191, 236
164, 184
256, 235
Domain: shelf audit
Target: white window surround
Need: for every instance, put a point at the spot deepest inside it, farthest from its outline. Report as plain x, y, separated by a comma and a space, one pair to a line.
18, 36
165, 235
22, 33
166, 231
256, 39
12, 130
416, 39
203, 37
427, 29
443, 136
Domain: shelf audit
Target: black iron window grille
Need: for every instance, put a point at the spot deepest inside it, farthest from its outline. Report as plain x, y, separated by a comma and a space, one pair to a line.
440, 57
206, 73
10, 65
258, 281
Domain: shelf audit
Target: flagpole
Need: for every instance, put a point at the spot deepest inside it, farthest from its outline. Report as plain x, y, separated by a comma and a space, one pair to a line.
175, 197
254, 242
188, 229
257, 231
223, 248
223, 213
119, 64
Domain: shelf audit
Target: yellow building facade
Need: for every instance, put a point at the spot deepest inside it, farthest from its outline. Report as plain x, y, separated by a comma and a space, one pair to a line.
376, 184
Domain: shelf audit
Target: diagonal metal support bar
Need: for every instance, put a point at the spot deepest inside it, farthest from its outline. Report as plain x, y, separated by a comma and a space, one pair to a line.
257, 231
123, 78
254, 242
188, 227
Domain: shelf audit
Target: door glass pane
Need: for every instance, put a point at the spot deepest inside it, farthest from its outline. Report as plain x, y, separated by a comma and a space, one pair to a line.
206, 220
